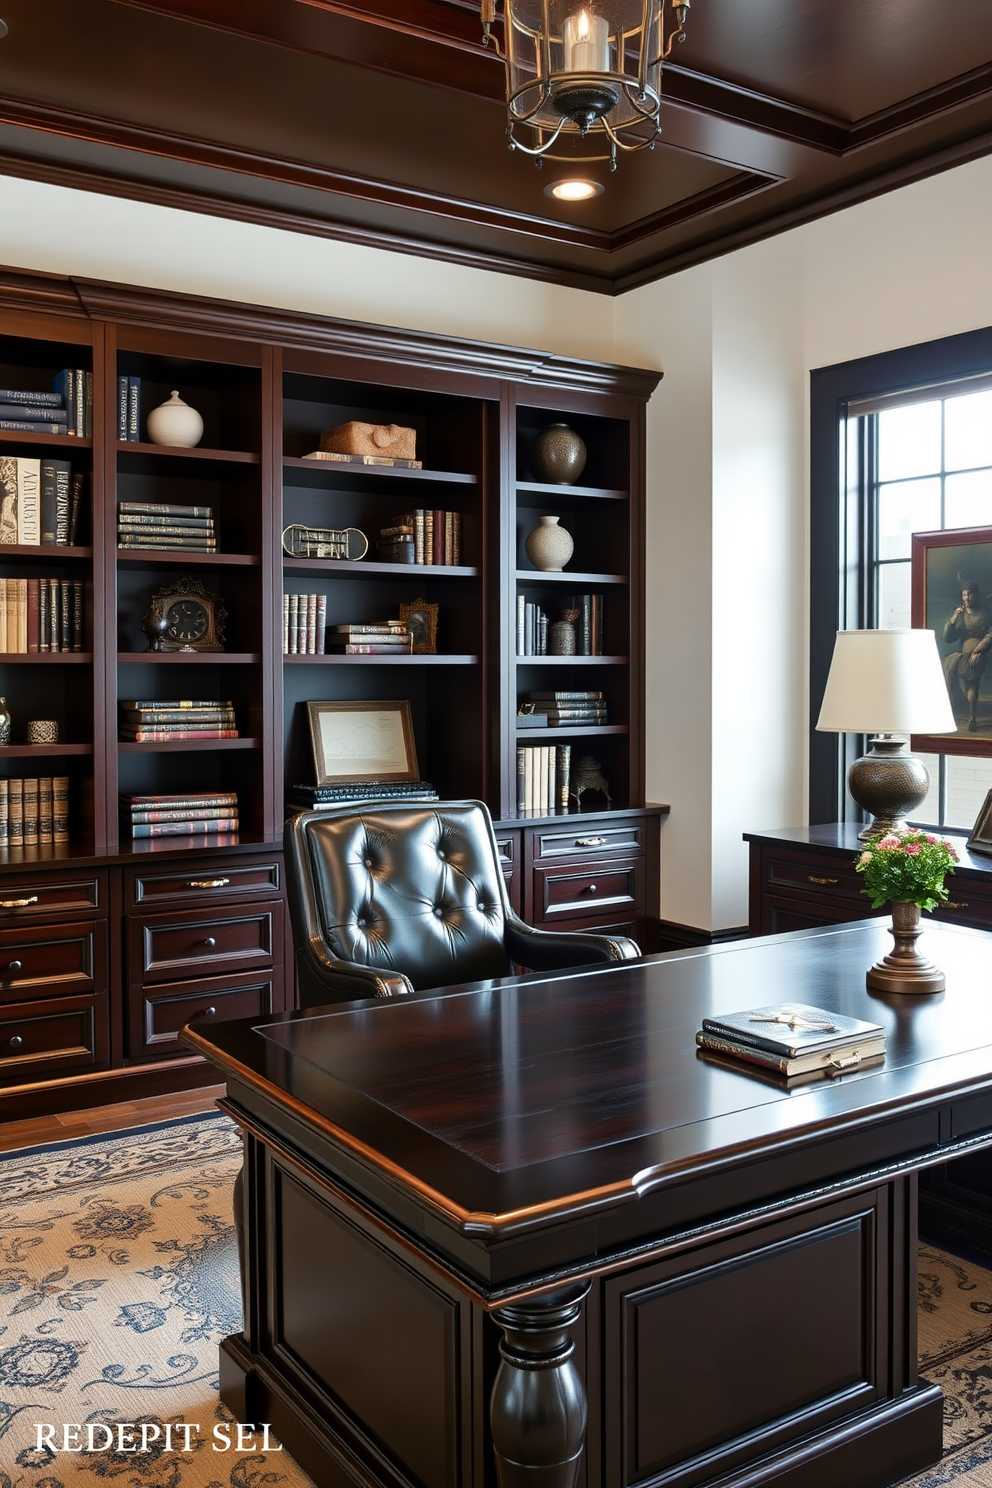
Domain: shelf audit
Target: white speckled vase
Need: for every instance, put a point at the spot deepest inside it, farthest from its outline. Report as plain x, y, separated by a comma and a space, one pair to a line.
175, 422
549, 547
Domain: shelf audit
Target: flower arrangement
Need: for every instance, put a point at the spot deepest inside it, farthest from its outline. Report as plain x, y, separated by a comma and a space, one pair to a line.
909, 866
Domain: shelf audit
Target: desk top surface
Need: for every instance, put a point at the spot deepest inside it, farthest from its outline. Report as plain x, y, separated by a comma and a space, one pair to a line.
561, 1091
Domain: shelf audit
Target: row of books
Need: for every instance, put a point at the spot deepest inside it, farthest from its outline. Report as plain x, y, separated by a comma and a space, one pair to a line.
422, 536
338, 459
328, 797
584, 612
34, 811
543, 778
304, 624
375, 638
145, 524
40, 502
187, 814
793, 1039
41, 615
67, 409
129, 409
562, 709
146, 721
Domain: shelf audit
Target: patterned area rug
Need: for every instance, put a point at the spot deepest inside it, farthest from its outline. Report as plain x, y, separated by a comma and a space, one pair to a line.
118, 1279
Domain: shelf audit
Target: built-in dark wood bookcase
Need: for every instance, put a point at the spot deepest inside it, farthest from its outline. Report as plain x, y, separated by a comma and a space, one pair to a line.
129, 940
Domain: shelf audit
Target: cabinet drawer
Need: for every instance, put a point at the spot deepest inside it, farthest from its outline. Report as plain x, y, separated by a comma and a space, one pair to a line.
815, 875
208, 884
970, 902
56, 958
44, 1038
158, 1013
579, 841
596, 890
204, 944
24, 899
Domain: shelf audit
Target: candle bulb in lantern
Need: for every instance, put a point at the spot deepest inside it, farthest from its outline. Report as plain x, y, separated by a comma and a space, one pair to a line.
586, 39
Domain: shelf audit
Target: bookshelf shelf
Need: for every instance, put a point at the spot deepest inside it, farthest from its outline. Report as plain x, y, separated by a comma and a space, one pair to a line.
401, 660
188, 658
47, 441
564, 494
361, 568
378, 477
46, 658
567, 661
43, 552
43, 751
171, 557
574, 580
535, 735
140, 453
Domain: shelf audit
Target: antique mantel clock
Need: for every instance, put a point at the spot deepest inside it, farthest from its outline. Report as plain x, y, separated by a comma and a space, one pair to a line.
185, 616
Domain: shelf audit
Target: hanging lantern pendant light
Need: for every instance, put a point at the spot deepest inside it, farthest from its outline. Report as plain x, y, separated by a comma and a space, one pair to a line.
583, 73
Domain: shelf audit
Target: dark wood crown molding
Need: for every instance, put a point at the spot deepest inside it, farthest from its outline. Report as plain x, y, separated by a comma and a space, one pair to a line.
356, 339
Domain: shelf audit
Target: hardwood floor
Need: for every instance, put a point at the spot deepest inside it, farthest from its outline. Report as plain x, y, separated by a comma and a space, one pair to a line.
39, 1129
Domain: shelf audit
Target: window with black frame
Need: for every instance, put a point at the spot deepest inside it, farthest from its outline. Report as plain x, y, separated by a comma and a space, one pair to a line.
901, 444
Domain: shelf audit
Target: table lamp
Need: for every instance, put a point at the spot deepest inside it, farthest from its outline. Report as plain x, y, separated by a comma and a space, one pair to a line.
885, 683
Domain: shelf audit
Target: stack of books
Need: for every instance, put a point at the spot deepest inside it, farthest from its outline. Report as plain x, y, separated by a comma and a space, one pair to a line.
304, 624
395, 543
41, 615
570, 709
129, 409
329, 797
422, 536
532, 628
34, 812
381, 638
39, 502
148, 721
340, 459
33, 413
543, 778
791, 1038
182, 815
147, 524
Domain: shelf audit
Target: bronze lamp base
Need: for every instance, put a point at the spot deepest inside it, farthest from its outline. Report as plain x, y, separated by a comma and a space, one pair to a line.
889, 783
905, 969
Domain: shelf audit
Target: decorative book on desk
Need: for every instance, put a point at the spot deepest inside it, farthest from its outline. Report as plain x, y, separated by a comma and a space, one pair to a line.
793, 1039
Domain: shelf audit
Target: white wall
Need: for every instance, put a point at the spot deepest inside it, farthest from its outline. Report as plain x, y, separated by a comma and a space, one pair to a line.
728, 482
131, 242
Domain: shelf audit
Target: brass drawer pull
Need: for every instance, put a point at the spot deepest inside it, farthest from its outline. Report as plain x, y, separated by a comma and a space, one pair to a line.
955, 904
208, 883
813, 879
590, 841
18, 903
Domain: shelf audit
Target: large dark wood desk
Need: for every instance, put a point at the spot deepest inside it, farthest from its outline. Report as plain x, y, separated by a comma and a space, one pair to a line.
433, 1183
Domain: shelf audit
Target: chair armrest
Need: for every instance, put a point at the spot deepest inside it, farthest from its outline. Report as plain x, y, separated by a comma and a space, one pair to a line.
322, 978
554, 950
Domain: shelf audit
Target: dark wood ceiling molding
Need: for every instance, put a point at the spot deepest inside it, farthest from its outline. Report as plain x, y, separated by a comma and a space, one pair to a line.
745, 183
718, 245
358, 339
761, 111
50, 293
23, 114
970, 87
83, 178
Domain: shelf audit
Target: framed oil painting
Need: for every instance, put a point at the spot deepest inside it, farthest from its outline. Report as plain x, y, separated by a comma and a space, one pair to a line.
421, 619
362, 741
952, 596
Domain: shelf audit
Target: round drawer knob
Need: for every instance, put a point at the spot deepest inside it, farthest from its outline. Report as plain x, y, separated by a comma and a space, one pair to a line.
17, 1042
591, 889
210, 1012
210, 942
15, 967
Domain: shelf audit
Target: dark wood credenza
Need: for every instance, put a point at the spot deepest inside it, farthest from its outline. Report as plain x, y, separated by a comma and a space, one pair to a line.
802, 878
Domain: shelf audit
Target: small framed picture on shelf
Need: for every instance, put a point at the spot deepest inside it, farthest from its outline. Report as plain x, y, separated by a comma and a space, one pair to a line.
421, 621
362, 741
980, 840
952, 596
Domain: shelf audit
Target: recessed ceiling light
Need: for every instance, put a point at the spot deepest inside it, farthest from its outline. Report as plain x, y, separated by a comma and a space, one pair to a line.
573, 190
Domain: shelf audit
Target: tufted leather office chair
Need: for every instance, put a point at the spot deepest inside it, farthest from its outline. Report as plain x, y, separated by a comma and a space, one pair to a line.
387, 900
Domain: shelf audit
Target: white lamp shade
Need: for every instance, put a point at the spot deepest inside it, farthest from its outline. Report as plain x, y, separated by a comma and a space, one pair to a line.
886, 682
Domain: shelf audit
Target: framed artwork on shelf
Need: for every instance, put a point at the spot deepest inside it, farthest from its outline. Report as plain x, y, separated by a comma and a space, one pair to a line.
421, 620
952, 596
980, 840
362, 741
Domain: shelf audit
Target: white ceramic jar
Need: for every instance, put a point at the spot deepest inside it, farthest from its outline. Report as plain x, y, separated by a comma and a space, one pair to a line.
549, 546
175, 422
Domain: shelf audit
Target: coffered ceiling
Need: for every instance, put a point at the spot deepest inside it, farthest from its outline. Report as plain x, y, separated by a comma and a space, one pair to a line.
383, 122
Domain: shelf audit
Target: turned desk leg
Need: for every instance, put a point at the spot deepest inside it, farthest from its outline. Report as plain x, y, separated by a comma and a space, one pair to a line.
538, 1406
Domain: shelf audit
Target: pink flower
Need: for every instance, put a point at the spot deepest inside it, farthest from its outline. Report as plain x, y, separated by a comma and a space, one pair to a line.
864, 858
913, 849
953, 851
889, 841
931, 839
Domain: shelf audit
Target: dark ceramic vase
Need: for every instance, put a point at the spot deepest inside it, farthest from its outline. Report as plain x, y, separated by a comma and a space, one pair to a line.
558, 455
